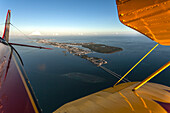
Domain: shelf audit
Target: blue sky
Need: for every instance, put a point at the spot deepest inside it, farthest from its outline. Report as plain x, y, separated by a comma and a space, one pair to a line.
59, 17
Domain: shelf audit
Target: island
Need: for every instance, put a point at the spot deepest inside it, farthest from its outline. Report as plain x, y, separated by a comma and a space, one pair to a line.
101, 48
73, 48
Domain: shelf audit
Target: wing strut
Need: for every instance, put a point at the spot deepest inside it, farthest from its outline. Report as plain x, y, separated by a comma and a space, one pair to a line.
7, 26
136, 64
151, 76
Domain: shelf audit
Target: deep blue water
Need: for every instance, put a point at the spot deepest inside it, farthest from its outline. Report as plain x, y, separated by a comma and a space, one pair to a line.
52, 73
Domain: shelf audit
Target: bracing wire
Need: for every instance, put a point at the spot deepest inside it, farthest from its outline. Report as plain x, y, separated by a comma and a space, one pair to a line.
21, 31
26, 36
136, 64
107, 70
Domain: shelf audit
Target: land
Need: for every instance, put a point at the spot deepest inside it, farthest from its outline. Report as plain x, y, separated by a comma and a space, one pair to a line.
101, 48
70, 47
94, 60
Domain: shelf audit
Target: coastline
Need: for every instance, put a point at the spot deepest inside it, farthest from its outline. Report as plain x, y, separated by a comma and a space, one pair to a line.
92, 47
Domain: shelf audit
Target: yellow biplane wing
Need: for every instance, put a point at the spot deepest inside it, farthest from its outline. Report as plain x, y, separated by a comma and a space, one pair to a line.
149, 17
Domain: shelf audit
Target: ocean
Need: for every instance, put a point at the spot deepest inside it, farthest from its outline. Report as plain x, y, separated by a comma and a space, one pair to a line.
58, 77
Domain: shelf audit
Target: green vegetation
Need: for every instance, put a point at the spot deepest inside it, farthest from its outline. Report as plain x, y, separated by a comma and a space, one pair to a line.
101, 48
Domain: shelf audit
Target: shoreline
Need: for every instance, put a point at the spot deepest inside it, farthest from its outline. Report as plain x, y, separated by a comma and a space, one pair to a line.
100, 48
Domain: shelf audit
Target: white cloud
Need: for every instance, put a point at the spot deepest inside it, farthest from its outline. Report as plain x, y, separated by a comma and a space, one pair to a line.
95, 33
56, 34
36, 33
116, 33
81, 34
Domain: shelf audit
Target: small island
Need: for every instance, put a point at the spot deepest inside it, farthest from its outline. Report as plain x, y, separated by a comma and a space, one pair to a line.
101, 48
70, 47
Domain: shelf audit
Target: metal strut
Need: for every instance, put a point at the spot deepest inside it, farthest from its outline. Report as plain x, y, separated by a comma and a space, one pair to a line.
151, 76
136, 64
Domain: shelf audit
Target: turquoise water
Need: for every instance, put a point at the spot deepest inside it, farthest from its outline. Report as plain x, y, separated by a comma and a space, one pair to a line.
58, 78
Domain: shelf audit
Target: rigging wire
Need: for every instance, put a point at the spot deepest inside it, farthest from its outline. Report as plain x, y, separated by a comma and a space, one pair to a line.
21, 31
107, 70
26, 36
137, 64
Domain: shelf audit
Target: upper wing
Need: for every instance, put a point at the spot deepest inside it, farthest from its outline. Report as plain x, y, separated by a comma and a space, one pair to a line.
149, 17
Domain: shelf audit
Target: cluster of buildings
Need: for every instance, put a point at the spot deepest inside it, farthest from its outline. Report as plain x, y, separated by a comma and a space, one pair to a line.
75, 51
95, 60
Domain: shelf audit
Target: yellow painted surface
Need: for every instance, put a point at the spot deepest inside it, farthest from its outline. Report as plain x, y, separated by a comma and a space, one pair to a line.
152, 75
136, 64
149, 17
26, 87
121, 99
